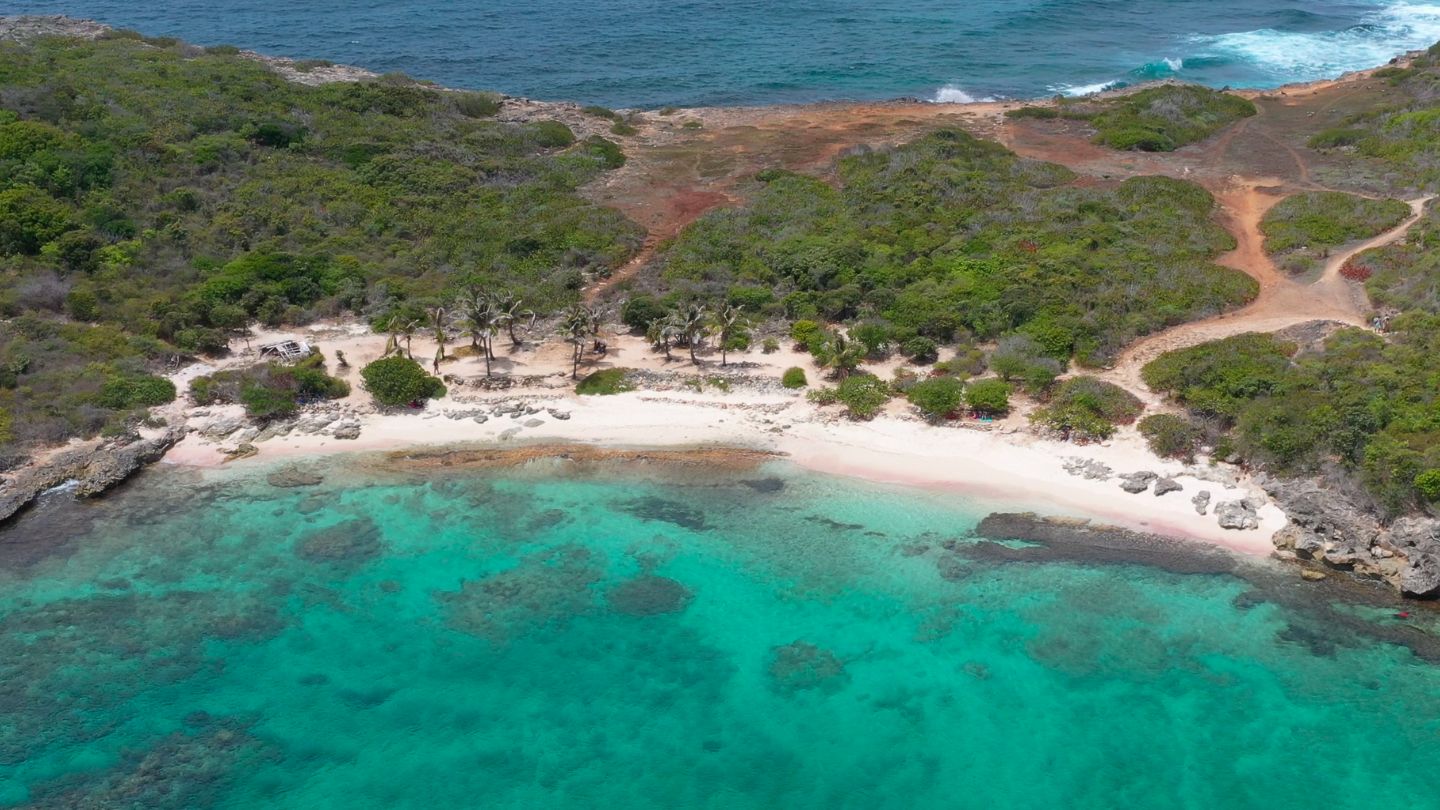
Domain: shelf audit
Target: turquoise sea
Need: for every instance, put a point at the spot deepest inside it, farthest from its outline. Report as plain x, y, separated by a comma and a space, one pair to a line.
550, 637
644, 53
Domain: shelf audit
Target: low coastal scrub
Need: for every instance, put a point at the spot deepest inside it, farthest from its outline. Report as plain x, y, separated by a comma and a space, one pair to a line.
1395, 140
1219, 379
166, 196
397, 380
794, 377
1304, 227
863, 395
1087, 409
1362, 409
605, 381
1171, 436
1406, 274
270, 390
957, 240
1157, 119
59, 380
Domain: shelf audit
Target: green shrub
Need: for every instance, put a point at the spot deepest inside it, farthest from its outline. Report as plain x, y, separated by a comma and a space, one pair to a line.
608, 153
769, 346
641, 310
938, 397
920, 350
623, 129
794, 377
270, 390
1219, 378
399, 380
1427, 484
262, 402
1171, 436
1033, 112
806, 334
551, 134
1087, 409
600, 112
477, 105
863, 395
123, 391
989, 397
604, 382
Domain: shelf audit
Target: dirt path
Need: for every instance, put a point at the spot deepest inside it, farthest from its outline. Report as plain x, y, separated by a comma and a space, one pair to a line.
1283, 302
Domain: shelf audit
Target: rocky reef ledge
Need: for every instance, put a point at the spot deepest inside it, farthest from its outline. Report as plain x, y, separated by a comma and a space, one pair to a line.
93, 470
1327, 527
1059, 539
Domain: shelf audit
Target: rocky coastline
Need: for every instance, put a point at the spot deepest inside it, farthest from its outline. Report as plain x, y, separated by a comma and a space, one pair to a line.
89, 471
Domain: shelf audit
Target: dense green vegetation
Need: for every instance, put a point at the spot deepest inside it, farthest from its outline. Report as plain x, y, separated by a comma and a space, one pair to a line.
1363, 408
398, 380
1398, 138
1087, 409
1157, 119
954, 239
937, 397
1304, 227
989, 397
270, 390
167, 196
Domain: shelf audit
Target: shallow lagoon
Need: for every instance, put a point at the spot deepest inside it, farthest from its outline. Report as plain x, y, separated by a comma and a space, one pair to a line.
545, 637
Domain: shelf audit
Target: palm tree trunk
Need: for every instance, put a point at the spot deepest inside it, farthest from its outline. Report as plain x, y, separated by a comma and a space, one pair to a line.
514, 341
487, 359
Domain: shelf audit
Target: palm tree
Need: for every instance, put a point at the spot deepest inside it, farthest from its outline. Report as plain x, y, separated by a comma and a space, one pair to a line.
407, 328
578, 326
437, 317
840, 355
729, 323
481, 320
400, 328
662, 334
512, 311
690, 325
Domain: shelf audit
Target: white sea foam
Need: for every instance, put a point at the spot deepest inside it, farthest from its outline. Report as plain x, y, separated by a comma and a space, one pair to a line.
1174, 64
1075, 90
1297, 56
954, 94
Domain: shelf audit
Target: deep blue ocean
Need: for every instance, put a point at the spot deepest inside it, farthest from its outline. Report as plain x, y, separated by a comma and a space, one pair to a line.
647, 53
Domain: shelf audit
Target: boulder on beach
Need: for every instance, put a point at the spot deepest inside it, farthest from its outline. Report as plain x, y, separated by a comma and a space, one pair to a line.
1138, 482
1165, 486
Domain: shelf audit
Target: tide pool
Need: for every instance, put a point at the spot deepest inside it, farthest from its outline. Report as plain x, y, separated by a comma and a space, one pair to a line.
546, 637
